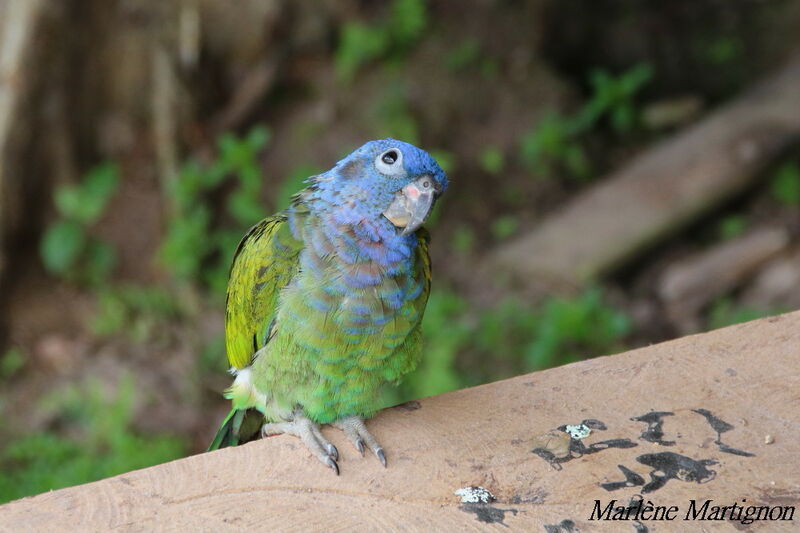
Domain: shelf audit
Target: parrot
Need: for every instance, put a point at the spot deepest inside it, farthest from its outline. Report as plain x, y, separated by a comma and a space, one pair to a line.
325, 301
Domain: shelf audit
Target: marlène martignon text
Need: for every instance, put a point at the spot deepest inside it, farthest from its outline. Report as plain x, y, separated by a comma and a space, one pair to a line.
641, 510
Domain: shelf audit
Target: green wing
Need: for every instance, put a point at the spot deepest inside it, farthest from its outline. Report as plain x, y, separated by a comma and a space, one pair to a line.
264, 263
424, 238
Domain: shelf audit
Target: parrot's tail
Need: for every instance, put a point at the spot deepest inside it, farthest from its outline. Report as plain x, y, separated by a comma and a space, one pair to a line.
240, 426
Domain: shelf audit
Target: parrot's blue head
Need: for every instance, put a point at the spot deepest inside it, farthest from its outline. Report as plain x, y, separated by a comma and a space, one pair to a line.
383, 180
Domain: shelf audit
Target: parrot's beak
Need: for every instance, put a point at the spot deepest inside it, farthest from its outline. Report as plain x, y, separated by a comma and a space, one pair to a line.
412, 204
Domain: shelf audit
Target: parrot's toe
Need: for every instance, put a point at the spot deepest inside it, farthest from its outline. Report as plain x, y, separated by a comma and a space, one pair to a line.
356, 431
311, 436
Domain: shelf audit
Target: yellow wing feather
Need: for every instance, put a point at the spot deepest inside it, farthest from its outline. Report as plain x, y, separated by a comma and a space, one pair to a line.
265, 262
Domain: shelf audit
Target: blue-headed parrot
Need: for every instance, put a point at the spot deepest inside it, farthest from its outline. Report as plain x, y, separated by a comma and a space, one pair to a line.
325, 300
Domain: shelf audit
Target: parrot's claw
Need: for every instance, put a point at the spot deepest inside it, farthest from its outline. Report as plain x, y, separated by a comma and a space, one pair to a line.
381, 456
332, 451
356, 431
331, 462
311, 436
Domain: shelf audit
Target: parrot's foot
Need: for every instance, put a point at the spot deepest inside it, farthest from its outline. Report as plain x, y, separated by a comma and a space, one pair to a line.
355, 430
311, 436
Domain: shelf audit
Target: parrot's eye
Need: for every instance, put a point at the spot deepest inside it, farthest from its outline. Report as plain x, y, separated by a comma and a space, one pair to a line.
389, 157
390, 162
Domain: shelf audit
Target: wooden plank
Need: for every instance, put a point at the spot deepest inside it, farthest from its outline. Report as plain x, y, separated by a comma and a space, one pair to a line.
659, 192
659, 406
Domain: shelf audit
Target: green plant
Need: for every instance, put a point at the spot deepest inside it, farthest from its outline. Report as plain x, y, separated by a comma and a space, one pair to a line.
463, 56
393, 117
197, 247
406, 23
613, 97
724, 50
67, 250
732, 226
463, 240
101, 443
555, 143
464, 345
724, 312
492, 160
552, 145
785, 185
388, 38
212, 356
571, 329
134, 310
504, 227
11, 362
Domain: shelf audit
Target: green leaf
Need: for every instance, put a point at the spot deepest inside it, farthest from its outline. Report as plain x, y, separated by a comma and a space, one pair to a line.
785, 186
61, 246
464, 55
99, 261
245, 208
732, 226
186, 243
504, 227
11, 362
724, 313
358, 44
87, 201
407, 22
68, 202
492, 160
258, 137
463, 240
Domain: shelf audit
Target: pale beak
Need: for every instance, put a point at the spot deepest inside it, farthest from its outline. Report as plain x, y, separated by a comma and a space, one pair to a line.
412, 204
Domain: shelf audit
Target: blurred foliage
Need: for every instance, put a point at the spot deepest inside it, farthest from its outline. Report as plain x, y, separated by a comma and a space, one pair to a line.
504, 227
561, 330
724, 50
132, 310
463, 240
554, 145
571, 329
492, 160
387, 39
67, 249
197, 247
392, 116
732, 226
103, 445
11, 362
785, 185
724, 312
469, 55
463, 56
